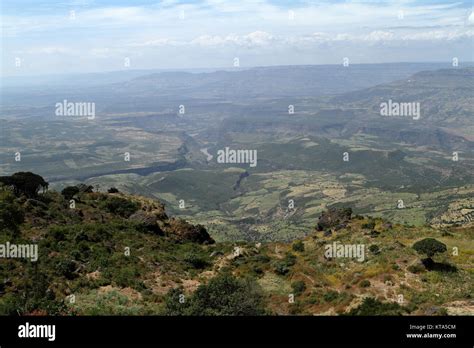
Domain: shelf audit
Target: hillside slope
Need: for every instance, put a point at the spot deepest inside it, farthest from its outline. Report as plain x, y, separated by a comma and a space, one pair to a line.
119, 254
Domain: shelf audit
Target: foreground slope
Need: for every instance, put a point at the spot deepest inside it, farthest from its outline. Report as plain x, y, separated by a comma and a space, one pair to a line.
119, 254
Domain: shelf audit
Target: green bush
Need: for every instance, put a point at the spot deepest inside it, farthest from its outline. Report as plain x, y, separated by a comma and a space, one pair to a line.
126, 276
372, 307
11, 214
66, 268
298, 287
33, 295
258, 271
330, 296
262, 258
374, 249
298, 246
196, 261
289, 259
364, 283
369, 225
281, 268
224, 295
121, 206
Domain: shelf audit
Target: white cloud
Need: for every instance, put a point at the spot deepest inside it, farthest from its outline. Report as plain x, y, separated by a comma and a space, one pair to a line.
263, 38
208, 40
471, 18
253, 39
156, 42
379, 35
439, 35
258, 38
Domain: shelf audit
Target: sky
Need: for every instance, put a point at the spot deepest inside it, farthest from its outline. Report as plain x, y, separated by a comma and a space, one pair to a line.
56, 37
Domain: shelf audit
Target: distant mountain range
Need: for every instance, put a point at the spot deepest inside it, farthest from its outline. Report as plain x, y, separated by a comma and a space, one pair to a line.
272, 82
263, 82
446, 96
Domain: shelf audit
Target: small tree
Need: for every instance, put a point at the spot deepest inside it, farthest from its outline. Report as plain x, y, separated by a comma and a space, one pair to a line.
25, 183
69, 192
429, 246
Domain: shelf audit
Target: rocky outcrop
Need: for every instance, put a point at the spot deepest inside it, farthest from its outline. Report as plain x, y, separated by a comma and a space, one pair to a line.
181, 230
147, 222
333, 218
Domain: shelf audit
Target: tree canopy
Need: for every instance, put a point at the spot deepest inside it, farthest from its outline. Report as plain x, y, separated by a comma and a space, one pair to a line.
24, 183
429, 246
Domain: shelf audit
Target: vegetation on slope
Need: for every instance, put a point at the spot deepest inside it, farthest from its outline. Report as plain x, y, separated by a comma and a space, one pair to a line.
111, 253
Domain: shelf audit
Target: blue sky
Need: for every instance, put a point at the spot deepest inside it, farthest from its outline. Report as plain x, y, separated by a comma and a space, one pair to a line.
98, 35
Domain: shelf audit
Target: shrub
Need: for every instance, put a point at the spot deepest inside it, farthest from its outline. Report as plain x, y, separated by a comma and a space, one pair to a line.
298, 287
262, 258
369, 225
371, 307
257, 270
113, 190
281, 268
11, 214
224, 295
176, 303
58, 233
126, 276
85, 188
289, 259
121, 206
364, 283
196, 261
66, 268
330, 296
33, 295
374, 249
298, 246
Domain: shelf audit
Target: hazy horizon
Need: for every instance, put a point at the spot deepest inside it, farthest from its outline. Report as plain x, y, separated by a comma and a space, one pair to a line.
222, 68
